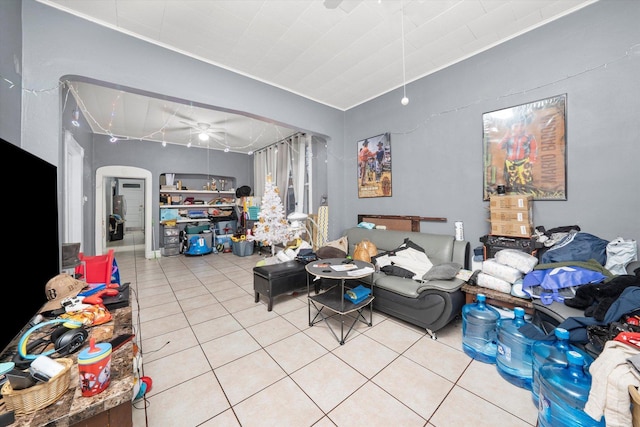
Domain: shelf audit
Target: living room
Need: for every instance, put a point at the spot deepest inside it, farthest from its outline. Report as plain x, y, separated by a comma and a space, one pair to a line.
591, 55
592, 60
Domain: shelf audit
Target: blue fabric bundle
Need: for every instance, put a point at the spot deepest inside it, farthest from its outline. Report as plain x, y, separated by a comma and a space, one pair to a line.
357, 294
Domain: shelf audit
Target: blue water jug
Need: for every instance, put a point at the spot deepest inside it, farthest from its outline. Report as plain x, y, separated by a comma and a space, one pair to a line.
479, 330
513, 359
552, 351
564, 390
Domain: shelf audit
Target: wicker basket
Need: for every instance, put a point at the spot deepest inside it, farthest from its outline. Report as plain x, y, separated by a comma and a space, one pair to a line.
39, 396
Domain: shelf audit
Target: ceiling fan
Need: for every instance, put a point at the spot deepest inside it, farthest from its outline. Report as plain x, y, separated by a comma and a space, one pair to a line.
205, 130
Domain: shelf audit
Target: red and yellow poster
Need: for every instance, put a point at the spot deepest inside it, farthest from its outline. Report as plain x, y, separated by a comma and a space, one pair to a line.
525, 149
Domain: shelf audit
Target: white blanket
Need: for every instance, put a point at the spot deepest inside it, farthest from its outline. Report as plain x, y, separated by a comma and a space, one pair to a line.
410, 259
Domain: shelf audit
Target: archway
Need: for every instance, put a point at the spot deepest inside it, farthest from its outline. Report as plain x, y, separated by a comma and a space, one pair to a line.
101, 220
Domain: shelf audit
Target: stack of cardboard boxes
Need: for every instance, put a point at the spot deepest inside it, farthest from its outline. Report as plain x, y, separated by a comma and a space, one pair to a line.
511, 215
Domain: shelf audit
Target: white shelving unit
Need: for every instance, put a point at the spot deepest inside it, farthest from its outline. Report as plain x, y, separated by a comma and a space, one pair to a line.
206, 196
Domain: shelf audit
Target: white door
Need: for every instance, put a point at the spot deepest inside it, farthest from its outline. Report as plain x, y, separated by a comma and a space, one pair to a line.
133, 192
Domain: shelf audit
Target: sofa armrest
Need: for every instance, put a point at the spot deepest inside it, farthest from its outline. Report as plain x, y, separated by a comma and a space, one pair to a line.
462, 253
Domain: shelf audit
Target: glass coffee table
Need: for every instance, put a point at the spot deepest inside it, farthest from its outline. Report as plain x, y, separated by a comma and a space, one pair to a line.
331, 302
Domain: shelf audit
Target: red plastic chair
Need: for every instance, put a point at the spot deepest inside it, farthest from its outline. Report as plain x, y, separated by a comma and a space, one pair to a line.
99, 268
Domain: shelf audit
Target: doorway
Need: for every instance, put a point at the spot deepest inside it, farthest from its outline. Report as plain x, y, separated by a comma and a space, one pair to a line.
132, 191
103, 191
73, 195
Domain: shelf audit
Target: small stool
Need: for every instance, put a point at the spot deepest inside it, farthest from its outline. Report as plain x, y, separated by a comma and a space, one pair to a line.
278, 279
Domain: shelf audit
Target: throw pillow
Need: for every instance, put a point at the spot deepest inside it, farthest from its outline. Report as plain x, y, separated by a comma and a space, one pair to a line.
445, 271
330, 252
334, 249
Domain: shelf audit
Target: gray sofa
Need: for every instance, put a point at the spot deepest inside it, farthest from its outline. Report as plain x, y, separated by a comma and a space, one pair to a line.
431, 304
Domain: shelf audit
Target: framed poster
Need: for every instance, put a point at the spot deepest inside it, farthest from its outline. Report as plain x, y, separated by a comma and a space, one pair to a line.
524, 149
374, 166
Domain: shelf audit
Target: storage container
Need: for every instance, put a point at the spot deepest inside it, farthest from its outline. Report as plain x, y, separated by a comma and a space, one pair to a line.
564, 390
242, 248
226, 227
514, 359
195, 229
479, 330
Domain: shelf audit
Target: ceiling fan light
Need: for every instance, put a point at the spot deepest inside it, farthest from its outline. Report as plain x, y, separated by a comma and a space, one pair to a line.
203, 136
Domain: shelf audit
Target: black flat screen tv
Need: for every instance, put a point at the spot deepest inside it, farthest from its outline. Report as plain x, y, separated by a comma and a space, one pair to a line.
31, 245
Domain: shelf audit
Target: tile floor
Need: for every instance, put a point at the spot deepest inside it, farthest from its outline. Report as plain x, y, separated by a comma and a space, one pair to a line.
217, 358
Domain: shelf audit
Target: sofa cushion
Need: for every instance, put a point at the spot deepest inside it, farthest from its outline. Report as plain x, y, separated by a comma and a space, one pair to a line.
444, 271
413, 288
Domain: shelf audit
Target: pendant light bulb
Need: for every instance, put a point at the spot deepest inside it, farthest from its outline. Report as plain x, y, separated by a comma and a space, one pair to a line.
404, 101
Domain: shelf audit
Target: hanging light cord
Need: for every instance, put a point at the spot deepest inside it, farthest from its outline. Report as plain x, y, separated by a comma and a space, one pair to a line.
405, 100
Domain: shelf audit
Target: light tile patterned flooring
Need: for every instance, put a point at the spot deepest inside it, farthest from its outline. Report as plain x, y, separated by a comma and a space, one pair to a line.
217, 358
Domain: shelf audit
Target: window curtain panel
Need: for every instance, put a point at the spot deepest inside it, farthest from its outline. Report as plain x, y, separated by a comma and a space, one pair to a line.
278, 160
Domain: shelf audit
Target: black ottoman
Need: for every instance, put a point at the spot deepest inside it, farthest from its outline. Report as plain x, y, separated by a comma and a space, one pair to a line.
278, 279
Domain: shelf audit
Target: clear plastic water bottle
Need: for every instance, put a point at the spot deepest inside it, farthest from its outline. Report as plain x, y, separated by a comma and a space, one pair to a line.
513, 359
552, 351
479, 330
564, 390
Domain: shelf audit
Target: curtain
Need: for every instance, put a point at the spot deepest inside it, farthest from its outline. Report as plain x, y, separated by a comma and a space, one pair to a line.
280, 160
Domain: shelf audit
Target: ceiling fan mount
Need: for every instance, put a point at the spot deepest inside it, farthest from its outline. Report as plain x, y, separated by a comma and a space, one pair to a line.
205, 130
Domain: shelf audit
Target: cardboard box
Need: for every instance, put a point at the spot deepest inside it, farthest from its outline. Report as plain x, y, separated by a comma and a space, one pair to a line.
512, 215
512, 229
516, 201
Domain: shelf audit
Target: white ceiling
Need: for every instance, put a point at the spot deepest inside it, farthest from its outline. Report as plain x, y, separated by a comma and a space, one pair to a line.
337, 52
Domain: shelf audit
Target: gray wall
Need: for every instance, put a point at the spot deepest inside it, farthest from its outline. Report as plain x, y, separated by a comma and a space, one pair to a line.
10, 69
97, 54
436, 139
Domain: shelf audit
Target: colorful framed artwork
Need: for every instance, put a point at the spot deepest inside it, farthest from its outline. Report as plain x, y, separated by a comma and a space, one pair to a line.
374, 166
524, 149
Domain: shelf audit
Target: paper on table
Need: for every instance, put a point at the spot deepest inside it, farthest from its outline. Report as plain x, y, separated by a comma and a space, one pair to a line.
361, 271
344, 267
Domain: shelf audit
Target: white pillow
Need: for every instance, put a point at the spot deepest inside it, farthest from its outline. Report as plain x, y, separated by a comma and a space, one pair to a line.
501, 271
491, 282
517, 259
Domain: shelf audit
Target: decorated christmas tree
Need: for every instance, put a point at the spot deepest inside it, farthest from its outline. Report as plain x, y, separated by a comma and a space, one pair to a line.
272, 227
